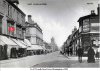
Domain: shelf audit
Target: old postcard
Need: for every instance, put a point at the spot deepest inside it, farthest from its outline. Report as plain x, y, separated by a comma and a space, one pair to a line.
49, 34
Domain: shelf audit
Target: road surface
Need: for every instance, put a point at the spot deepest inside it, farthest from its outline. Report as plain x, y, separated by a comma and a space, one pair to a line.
54, 59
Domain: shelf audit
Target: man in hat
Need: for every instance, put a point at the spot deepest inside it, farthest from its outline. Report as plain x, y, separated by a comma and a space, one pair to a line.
80, 54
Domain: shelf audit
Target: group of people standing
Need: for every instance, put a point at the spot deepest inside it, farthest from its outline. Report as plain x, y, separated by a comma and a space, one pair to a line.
90, 54
67, 51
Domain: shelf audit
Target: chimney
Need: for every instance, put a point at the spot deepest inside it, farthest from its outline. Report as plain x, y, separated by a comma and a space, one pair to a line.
92, 12
30, 19
98, 9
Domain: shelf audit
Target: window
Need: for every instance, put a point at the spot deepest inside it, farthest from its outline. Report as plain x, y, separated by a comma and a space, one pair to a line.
10, 12
17, 16
19, 32
8, 26
8, 9
4, 3
0, 27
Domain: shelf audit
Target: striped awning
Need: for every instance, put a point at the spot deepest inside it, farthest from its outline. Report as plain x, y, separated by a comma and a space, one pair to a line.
27, 42
35, 47
7, 41
19, 43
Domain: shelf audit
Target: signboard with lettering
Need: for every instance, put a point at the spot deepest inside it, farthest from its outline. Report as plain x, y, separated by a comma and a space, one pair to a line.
86, 25
95, 27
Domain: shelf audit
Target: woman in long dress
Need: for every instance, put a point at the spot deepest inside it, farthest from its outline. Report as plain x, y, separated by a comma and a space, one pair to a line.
91, 55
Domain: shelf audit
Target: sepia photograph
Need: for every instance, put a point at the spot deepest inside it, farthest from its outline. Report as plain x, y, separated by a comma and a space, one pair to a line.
49, 34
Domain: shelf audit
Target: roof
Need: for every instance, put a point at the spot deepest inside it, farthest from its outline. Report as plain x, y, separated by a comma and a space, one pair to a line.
35, 25
16, 7
87, 16
14, 1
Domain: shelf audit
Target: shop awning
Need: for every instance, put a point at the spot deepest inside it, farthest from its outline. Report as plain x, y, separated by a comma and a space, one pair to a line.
94, 32
35, 47
7, 41
27, 42
22, 42
43, 47
1, 42
19, 43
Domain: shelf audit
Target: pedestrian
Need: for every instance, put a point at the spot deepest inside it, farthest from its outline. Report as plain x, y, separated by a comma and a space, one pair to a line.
80, 54
1, 53
97, 55
91, 54
68, 51
65, 51
5, 51
71, 51
76, 51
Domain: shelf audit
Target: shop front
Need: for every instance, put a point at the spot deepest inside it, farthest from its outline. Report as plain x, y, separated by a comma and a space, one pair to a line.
21, 52
6, 47
35, 49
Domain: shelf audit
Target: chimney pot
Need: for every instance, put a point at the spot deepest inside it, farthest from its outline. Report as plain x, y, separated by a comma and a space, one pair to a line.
29, 16
29, 19
92, 12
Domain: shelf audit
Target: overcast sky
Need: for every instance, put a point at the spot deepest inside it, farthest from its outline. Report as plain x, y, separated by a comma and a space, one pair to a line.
58, 17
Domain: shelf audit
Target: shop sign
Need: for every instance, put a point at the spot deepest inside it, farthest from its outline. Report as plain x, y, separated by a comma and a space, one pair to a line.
86, 25
97, 43
95, 27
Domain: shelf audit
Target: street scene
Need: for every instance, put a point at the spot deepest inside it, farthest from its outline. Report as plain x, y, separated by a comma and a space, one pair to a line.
57, 60
49, 34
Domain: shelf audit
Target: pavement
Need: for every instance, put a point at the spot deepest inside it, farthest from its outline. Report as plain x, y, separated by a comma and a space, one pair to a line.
28, 61
84, 63
70, 62
54, 59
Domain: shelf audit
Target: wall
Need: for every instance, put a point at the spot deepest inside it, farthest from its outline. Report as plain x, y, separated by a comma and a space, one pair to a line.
33, 40
32, 31
12, 14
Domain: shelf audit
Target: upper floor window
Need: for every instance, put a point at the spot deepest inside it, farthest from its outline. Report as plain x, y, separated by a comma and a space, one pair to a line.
4, 3
0, 27
9, 28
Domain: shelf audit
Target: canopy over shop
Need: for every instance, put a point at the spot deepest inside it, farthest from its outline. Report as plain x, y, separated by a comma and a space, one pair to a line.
35, 49
22, 47
27, 42
6, 51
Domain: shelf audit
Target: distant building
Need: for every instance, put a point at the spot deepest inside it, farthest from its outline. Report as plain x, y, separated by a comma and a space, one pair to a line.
47, 47
53, 45
72, 41
34, 32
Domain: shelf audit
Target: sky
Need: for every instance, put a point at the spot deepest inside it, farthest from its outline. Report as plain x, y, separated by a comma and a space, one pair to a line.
58, 18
